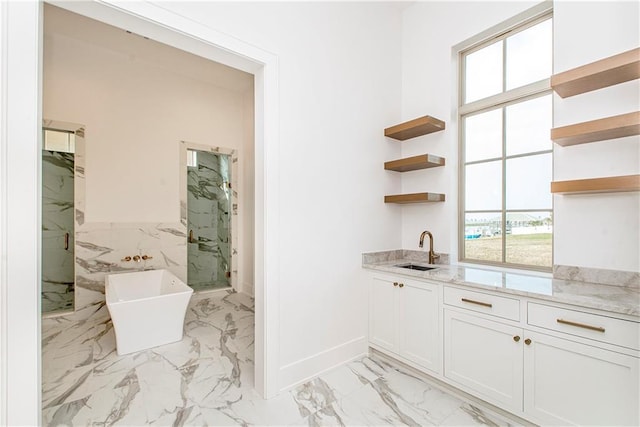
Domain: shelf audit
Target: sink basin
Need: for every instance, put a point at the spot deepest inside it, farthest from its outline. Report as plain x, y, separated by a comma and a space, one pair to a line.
412, 266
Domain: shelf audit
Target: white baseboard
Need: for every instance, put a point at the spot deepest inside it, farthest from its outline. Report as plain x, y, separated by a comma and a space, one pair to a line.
299, 372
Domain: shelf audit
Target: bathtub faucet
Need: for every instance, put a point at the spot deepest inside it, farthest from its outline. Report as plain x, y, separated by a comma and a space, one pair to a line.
137, 258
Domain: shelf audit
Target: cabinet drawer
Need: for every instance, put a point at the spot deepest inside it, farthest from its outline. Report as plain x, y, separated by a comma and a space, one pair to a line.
600, 328
494, 305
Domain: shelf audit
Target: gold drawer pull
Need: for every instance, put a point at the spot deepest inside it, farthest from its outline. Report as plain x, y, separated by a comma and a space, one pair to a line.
580, 325
470, 301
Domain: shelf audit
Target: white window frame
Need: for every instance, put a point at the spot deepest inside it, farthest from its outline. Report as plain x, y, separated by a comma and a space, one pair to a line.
518, 23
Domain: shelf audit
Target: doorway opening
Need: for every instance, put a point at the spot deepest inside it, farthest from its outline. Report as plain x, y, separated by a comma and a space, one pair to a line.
266, 82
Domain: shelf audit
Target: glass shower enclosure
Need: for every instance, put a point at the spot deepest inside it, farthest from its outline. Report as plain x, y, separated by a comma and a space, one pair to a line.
208, 220
58, 271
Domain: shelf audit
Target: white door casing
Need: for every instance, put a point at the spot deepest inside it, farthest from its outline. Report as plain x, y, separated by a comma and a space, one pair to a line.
20, 124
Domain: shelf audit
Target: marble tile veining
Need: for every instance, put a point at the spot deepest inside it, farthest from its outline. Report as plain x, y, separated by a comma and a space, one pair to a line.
207, 379
629, 279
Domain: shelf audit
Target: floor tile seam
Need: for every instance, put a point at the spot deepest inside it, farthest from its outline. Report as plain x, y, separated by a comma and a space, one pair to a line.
340, 405
452, 393
455, 393
453, 414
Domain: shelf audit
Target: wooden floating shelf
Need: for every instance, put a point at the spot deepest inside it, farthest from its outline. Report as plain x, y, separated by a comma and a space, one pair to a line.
414, 198
413, 128
598, 130
597, 75
424, 161
613, 184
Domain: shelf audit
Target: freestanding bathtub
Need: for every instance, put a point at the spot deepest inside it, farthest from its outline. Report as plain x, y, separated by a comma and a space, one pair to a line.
147, 308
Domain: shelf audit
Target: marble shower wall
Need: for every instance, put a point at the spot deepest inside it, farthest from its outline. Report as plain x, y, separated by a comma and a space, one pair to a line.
208, 213
102, 247
57, 227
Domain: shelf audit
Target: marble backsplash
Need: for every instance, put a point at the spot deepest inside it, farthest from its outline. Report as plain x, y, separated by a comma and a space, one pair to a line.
627, 279
403, 254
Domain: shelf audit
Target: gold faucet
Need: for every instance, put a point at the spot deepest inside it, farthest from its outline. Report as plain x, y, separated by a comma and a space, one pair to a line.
432, 255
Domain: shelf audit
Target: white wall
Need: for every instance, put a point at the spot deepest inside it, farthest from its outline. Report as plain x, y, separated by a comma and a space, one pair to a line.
596, 231
339, 87
430, 30
599, 230
135, 114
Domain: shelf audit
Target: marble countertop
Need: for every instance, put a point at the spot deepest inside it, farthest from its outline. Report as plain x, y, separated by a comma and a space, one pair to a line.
615, 299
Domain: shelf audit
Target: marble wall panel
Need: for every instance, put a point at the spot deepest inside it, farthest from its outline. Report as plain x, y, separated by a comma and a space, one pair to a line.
102, 248
627, 279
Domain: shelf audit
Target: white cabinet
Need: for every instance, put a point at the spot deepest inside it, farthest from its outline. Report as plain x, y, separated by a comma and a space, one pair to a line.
572, 383
545, 378
404, 320
549, 363
484, 357
383, 316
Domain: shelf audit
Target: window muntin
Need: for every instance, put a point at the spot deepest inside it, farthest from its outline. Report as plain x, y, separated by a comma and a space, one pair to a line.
506, 152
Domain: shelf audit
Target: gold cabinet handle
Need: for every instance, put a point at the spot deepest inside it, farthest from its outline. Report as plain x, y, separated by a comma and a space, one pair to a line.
191, 236
470, 301
126, 259
66, 241
516, 338
527, 341
580, 325
401, 285
395, 283
146, 257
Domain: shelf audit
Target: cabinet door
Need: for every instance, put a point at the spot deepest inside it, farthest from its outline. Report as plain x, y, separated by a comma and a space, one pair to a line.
572, 383
383, 313
419, 324
484, 357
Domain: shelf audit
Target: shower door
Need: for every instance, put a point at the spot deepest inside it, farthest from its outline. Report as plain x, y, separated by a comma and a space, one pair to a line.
57, 231
208, 220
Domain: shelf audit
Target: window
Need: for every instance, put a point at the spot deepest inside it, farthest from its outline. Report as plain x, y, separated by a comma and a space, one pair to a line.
59, 140
505, 114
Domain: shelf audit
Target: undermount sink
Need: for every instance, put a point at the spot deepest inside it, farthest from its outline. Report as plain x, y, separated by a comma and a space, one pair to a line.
412, 266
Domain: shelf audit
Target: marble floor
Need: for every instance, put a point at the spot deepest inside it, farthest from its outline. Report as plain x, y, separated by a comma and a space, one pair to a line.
207, 380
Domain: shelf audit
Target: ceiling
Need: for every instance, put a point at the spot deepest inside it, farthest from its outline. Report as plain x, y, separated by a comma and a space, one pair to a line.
60, 22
